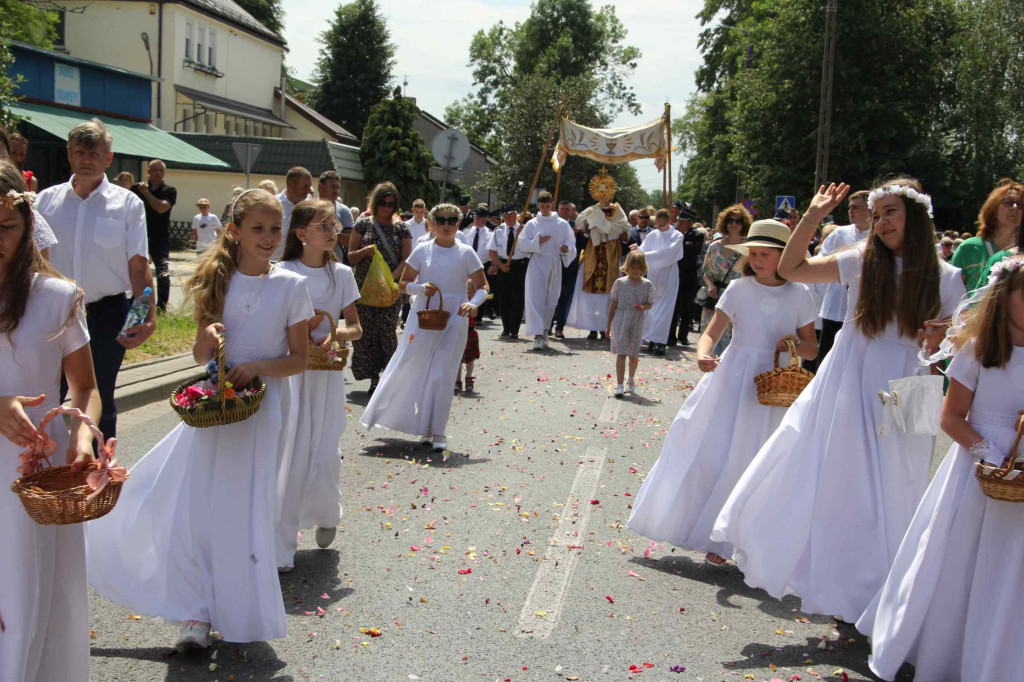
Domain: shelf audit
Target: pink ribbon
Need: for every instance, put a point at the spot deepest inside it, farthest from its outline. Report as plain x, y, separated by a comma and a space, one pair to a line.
37, 456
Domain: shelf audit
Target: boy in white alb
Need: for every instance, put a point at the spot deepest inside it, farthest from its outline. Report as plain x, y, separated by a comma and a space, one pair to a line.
206, 227
551, 244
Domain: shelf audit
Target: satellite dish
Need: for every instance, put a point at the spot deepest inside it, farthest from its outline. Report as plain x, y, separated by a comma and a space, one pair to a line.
450, 148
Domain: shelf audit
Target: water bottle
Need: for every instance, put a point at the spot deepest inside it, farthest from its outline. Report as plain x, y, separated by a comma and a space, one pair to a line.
139, 310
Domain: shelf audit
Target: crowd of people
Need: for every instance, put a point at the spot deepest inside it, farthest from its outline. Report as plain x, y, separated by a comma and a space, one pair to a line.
823, 499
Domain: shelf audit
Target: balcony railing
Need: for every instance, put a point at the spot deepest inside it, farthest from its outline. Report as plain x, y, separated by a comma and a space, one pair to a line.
202, 68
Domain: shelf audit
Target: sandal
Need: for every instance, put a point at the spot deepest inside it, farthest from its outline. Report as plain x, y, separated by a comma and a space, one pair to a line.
470, 383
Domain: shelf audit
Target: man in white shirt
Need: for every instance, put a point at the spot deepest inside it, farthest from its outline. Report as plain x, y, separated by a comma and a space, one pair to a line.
206, 227
477, 236
102, 245
298, 185
509, 272
328, 188
833, 305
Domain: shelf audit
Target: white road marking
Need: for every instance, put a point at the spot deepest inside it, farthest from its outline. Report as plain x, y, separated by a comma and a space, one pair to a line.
610, 411
543, 606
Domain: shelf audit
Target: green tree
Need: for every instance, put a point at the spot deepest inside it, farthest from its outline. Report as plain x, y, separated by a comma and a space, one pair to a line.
354, 70
270, 13
393, 150
27, 24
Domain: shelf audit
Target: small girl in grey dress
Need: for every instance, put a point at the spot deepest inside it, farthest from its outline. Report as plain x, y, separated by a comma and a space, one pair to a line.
631, 296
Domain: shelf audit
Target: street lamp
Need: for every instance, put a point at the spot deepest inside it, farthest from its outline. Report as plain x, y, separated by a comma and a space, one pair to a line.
145, 42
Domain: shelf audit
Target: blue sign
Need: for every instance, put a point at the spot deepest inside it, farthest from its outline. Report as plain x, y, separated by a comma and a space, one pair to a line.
784, 203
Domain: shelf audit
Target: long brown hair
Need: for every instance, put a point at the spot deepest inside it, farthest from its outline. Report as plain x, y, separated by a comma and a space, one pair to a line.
381, 191
208, 285
25, 262
304, 213
915, 297
988, 324
987, 223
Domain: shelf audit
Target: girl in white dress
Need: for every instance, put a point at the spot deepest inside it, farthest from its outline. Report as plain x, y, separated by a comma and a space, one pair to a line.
721, 425
664, 249
192, 537
415, 392
821, 510
44, 601
309, 469
952, 602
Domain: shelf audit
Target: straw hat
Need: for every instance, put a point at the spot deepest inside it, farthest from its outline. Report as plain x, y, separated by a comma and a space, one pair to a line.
767, 233
203, 202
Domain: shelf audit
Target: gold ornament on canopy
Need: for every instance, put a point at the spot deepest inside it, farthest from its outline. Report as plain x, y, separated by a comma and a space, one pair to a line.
602, 187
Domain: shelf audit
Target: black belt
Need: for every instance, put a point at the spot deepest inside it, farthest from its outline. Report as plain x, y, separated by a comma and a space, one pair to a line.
107, 302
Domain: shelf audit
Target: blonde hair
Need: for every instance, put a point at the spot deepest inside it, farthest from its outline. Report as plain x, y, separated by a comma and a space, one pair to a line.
988, 324
637, 258
208, 285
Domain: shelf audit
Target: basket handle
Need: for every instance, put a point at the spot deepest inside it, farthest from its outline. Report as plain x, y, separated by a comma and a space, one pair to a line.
440, 306
38, 452
1016, 442
222, 369
791, 348
334, 324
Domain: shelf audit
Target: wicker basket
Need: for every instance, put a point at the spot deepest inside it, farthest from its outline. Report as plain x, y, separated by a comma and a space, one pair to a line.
992, 479
780, 386
223, 410
436, 319
322, 359
54, 496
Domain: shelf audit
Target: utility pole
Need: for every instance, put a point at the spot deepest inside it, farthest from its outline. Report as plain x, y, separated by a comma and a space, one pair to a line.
825, 108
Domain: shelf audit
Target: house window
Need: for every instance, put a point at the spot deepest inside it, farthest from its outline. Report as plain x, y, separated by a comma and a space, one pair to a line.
211, 50
189, 39
201, 45
61, 29
211, 122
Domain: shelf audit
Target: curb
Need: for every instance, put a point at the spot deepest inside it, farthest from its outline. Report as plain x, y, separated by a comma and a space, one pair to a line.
151, 381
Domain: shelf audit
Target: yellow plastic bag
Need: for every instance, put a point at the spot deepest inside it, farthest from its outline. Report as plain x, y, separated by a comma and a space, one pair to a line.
379, 289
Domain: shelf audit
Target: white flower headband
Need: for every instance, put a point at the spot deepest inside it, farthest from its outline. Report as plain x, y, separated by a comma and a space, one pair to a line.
901, 190
1004, 268
13, 198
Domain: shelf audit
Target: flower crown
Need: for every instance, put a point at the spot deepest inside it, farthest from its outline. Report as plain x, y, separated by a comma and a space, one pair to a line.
901, 190
13, 198
1005, 268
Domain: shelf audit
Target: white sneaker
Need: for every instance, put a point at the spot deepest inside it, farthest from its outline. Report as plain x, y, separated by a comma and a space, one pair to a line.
325, 536
440, 443
194, 635
426, 440
538, 343
618, 391
630, 386
546, 344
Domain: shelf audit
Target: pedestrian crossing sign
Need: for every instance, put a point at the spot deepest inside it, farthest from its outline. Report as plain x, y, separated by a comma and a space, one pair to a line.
785, 203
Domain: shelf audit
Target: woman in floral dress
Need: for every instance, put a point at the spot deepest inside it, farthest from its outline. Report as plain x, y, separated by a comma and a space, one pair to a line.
723, 266
374, 350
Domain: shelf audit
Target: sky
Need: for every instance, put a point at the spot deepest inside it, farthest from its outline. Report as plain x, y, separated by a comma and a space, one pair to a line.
433, 37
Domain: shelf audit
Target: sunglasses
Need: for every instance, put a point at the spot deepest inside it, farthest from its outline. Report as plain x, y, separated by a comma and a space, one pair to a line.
1011, 203
388, 204
734, 221
643, 216
450, 220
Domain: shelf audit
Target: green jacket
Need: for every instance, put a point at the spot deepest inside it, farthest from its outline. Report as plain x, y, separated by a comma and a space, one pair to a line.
971, 257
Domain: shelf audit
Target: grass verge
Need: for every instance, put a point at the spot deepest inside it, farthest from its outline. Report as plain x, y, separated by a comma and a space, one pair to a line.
175, 333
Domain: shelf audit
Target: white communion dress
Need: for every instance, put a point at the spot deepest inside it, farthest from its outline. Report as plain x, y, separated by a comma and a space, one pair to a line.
192, 537
309, 464
821, 510
721, 425
952, 602
544, 274
415, 392
663, 250
44, 600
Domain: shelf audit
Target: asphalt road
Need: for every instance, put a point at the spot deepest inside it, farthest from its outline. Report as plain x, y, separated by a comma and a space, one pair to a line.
506, 560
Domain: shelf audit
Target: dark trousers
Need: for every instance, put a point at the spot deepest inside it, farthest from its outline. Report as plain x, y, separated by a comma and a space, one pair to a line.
829, 329
492, 307
104, 319
566, 294
513, 296
682, 315
160, 252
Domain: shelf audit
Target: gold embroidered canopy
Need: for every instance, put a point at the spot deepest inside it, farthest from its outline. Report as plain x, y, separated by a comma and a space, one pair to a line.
613, 145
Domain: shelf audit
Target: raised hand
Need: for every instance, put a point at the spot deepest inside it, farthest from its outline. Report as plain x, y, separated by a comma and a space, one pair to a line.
827, 198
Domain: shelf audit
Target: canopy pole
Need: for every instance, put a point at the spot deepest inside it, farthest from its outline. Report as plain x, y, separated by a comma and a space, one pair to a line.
544, 155
668, 132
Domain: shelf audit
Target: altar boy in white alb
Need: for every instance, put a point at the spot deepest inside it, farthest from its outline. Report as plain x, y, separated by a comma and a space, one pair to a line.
664, 248
551, 244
